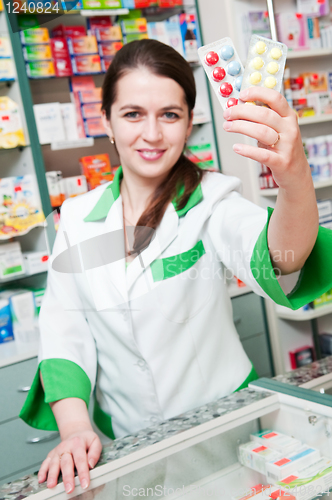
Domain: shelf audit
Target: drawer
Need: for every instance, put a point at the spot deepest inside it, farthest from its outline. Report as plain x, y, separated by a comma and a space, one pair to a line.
14, 382
16, 453
258, 352
248, 315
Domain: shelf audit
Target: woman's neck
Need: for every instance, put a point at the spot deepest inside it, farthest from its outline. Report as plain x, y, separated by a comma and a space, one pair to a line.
136, 193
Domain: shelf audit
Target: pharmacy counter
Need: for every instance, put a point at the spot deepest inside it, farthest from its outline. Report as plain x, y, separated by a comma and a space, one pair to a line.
195, 455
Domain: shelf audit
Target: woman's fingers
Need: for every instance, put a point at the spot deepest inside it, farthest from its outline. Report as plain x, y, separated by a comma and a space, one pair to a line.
257, 114
262, 155
53, 472
271, 97
81, 463
42, 474
67, 469
94, 452
262, 133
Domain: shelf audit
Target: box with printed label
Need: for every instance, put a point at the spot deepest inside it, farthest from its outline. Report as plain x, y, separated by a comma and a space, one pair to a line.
35, 262
7, 69
135, 36
256, 456
90, 95
82, 45
83, 65
109, 34
35, 36
37, 52
63, 67
74, 186
276, 470
91, 110
94, 127
276, 440
11, 260
5, 47
11, 129
59, 48
6, 325
40, 69
109, 49
134, 26
105, 63
62, 31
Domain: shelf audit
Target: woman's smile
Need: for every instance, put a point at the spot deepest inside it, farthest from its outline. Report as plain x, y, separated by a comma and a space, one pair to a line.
151, 154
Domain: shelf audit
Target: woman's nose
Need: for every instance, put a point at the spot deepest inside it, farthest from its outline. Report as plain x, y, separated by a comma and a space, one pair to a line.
152, 130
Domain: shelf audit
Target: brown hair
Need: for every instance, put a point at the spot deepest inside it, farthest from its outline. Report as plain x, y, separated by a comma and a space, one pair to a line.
161, 60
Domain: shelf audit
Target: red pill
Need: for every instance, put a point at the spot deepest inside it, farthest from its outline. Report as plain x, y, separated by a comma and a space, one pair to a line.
226, 89
232, 102
211, 58
218, 74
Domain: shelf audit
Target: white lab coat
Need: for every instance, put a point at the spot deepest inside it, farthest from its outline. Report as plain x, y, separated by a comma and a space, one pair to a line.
153, 349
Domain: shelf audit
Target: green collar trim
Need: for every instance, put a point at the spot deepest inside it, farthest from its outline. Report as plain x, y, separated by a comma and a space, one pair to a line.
112, 193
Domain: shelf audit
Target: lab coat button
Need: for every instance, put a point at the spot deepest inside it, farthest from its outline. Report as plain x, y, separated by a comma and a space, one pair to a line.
154, 420
142, 364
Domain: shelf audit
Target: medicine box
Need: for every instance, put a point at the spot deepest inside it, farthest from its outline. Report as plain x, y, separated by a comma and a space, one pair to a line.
74, 186
83, 65
63, 31
90, 96
24, 317
6, 327
35, 262
40, 69
275, 440
59, 48
5, 48
63, 67
94, 127
302, 457
35, 36
37, 52
138, 25
11, 260
256, 456
7, 71
82, 45
109, 34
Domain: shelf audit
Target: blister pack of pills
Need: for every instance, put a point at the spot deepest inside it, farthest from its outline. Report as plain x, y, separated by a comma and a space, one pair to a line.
224, 70
265, 64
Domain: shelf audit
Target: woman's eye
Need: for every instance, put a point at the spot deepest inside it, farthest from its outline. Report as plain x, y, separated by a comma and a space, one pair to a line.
171, 116
132, 114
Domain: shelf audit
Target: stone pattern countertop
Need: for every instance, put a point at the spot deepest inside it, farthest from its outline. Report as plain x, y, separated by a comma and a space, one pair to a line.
306, 373
28, 485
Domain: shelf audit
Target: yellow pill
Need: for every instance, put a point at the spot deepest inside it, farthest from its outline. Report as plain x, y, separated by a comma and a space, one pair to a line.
275, 53
260, 47
250, 102
255, 78
270, 82
272, 68
257, 63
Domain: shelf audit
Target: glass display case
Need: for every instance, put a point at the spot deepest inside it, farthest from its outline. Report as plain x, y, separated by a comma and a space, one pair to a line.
195, 455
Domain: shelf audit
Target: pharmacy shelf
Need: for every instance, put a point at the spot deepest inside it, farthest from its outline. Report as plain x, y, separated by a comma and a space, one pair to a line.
317, 184
16, 148
22, 233
285, 313
299, 54
103, 12
20, 277
315, 119
6, 83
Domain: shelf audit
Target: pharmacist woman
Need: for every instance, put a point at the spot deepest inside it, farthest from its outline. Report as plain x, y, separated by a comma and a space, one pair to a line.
136, 309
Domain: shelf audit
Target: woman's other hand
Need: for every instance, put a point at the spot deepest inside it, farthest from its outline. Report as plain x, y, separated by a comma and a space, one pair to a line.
80, 450
286, 159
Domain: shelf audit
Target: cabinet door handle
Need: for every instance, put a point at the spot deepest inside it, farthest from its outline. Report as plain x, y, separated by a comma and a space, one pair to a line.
237, 321
43, 439
24, 389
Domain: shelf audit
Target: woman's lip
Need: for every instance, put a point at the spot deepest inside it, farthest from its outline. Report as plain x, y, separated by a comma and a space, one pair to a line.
146, 154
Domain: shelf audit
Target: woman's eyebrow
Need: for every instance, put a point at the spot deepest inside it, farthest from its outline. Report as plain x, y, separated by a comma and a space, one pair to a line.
139, 108
131, 106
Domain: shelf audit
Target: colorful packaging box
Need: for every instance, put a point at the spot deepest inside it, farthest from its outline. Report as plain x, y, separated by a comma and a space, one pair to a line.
302, 457
80, 84
94, 127
256, 456
5, 47
63, 67
54, 185
109, 49
97, 170
40, 69
59, 48
97, 22
91, 110
35, 262
68, 114
276, 441
74, 186
189, 32
293, 30
24, 316
82, 45
63, 31
138, 25
105, 63
49, 122
6, 325
315, 82
37, 52
135, 36
83, 65
11, 129
109, 34
102, 4
7, 69
301, 357
90, 96
35, 36
11, 260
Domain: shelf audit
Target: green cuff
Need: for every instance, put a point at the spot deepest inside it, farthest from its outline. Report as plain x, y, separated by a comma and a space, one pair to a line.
62, 379
315, 277
251, 377
102, 420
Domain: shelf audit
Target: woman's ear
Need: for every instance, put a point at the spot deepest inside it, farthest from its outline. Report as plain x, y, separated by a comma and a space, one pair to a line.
107, 125
190, 124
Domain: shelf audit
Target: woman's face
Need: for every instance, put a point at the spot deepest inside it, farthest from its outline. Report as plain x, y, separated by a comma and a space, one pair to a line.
149, 122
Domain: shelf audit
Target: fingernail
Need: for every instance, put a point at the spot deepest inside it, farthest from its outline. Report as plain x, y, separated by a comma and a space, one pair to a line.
84, 484
227, 114
227, 125
68, 487
91, 464
243, 94
237, 148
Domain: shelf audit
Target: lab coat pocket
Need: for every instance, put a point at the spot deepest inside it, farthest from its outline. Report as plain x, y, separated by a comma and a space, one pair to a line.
183, 285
